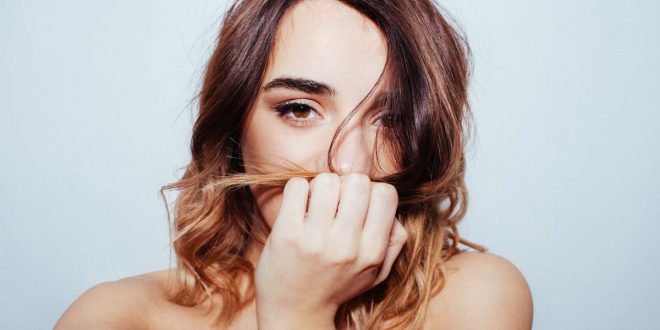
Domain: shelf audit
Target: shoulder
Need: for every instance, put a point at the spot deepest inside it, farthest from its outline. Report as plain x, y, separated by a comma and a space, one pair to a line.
482, 291
121, 304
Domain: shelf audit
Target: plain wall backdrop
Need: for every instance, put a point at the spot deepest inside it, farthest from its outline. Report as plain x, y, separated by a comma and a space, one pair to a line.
96, 111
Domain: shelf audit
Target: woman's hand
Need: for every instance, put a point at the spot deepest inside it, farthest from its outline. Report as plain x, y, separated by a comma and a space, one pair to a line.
314, 262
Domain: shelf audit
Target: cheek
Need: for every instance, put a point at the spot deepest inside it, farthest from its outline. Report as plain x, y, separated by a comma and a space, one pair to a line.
269, 146
269, 202
388, 160
272, 144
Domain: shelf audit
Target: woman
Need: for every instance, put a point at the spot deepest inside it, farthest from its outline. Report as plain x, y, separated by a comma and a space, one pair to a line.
326, 183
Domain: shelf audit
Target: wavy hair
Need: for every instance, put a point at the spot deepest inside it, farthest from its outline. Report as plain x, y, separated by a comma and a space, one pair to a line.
428, 63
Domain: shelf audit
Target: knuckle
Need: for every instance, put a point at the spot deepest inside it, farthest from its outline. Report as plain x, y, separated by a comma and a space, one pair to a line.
326, 179
401, 236
374, 259
310, 251
298, 183
386, 191
343, 258
356, 180
283, 240
289, 241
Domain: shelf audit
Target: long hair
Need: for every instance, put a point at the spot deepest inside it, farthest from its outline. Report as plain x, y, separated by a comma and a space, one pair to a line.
429, 125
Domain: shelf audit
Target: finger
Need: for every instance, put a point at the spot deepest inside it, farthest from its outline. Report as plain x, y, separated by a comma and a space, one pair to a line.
353, 203
378, 224
398, 239
294, 203
324, 196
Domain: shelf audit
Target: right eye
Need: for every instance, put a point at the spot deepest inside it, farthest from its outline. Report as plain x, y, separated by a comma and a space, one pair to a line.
297, 113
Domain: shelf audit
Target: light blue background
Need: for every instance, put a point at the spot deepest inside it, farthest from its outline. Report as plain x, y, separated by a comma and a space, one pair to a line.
95, 115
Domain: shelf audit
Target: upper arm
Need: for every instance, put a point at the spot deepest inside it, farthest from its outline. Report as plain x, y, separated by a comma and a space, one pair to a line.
482, 291
108, 305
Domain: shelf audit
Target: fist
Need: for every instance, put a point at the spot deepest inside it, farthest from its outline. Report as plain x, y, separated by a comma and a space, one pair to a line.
333, 238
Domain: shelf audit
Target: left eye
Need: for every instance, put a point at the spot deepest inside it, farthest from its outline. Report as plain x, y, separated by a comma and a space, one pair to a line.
384, 119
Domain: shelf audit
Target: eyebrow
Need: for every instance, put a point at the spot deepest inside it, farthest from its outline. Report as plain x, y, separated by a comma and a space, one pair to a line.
301, 84
316, 87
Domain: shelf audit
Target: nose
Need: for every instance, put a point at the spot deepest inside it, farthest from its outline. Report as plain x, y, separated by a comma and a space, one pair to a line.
352, 151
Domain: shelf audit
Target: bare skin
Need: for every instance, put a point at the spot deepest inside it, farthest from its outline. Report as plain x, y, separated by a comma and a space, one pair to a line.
483, 291
352, 249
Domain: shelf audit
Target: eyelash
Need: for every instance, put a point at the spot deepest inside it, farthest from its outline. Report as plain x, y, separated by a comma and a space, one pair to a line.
285, 110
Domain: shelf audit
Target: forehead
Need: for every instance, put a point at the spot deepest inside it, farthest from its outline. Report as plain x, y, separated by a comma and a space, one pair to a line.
329, 42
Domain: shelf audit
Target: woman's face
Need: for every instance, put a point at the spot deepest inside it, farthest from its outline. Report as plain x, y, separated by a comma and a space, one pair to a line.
327, 57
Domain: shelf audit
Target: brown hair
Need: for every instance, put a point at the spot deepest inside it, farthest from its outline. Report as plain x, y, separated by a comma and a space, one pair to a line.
429, 125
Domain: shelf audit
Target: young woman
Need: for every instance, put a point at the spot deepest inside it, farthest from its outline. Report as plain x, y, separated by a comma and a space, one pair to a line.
326, 183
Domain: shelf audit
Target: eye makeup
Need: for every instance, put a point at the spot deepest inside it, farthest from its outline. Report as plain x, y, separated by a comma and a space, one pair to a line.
297, 113
384, 119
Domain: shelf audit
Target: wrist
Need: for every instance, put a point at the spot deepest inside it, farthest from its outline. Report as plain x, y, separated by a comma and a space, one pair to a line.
287, 316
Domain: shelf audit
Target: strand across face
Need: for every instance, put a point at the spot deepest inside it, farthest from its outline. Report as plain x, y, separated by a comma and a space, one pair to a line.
327, 57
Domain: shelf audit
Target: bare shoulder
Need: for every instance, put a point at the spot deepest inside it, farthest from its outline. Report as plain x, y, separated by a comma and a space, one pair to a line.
482, 291
121, 304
